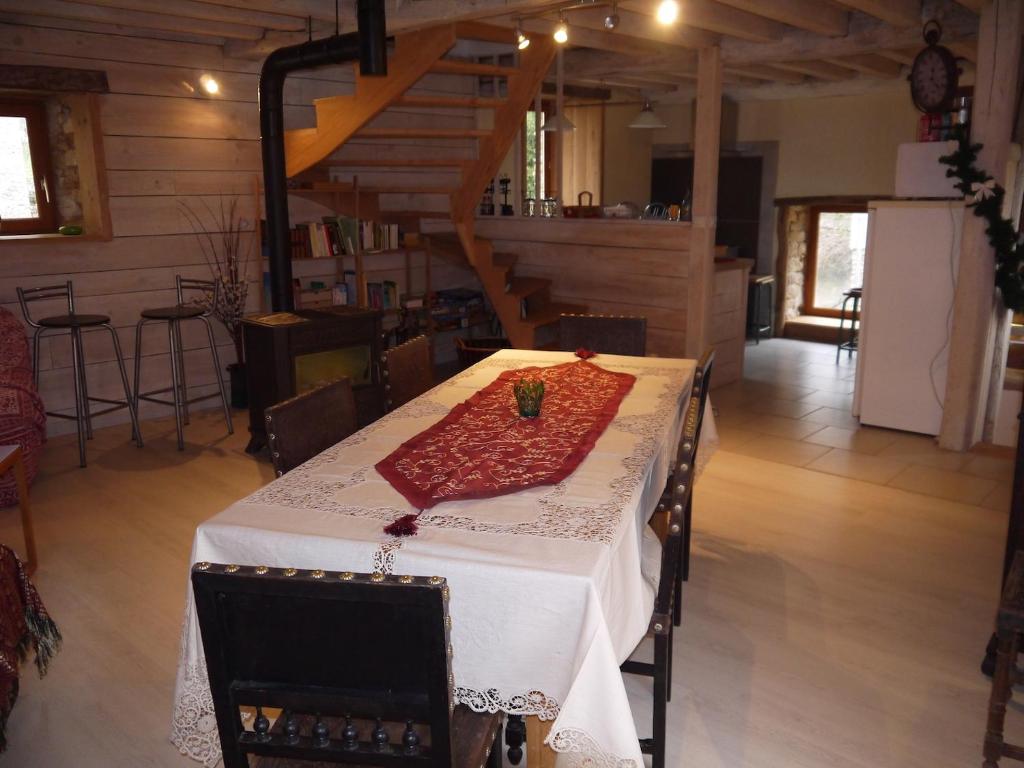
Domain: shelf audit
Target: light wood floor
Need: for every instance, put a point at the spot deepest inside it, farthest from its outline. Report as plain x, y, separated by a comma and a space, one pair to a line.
829, 621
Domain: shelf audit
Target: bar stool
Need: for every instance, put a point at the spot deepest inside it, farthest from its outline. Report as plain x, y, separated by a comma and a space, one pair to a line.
850, 345
196, 309
1009, 626
756, 288
75, 325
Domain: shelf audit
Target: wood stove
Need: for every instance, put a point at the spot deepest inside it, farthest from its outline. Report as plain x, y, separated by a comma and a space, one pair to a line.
287, 353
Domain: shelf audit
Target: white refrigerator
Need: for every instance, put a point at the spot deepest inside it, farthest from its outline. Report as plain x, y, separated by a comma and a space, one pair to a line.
910, 269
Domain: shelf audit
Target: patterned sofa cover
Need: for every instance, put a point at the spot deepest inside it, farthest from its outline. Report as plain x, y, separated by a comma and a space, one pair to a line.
22, 415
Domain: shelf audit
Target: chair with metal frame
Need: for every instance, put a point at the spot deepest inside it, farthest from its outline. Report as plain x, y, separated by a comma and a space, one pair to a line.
608, 334
75, 325
199, 309
308, 424
360, 665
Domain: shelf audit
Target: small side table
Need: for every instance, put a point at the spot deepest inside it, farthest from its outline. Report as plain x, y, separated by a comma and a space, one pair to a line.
11, 461
756, 323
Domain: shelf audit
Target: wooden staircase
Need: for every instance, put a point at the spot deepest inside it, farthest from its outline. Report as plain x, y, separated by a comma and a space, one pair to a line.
350, 128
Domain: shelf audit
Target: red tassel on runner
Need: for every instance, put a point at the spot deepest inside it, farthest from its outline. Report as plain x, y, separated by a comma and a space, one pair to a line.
403, 526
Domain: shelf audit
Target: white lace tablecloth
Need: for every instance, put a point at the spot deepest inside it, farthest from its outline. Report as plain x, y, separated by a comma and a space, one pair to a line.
547, 591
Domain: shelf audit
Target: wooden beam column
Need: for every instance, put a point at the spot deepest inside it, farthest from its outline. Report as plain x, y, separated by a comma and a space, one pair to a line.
975, 306
707, 135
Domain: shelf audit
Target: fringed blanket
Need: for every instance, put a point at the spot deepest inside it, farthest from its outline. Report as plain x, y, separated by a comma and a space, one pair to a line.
22, 415
24, 623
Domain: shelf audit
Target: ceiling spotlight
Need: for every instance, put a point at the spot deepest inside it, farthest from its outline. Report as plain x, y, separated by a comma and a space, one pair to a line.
209, 85
522, 41
668, 12
611, 21
562, 32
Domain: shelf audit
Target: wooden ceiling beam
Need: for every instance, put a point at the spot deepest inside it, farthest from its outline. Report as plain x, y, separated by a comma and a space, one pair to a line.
901, 13
642, 26
142, 19
966, 50
615, 82
205, 11
869, 64
768, 74
721, 19
974, 6
903, 56
812, 15
821, 70
592, 38
865, 36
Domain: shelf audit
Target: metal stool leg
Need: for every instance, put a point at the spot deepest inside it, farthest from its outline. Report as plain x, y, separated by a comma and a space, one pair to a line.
842, 319
176, 385
138, 367
771, 309
79, 396
854, 328
220, 376
36, 337
181, 369
757, 315
128, 397
85, 387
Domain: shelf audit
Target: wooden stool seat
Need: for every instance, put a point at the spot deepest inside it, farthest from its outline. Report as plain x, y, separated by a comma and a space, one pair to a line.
73, 321
1009, 626
11, 460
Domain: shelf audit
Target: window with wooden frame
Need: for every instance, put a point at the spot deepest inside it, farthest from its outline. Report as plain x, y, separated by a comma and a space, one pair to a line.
27, 204
837, 237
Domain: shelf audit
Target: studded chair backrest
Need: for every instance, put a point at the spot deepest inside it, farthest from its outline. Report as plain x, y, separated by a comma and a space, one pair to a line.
408, 372
373, 650
681, 493
610, 334
209, 291
303, 426
702, 385
45, 293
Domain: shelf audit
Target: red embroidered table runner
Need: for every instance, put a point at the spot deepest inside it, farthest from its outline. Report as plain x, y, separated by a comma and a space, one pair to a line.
483, 448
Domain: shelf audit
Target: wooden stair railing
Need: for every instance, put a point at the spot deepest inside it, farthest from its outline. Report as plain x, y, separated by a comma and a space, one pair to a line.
339, 117
523, 304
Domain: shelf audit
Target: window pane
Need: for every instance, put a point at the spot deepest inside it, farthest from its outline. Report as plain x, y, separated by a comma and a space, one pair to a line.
842, 239
17, 182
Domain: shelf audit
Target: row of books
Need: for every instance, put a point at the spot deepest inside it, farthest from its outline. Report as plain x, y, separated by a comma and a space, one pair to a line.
337, 236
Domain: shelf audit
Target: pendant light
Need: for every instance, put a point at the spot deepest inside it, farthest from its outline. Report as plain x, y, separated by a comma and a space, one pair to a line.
522, 41
647, 119
668, 12
561, 34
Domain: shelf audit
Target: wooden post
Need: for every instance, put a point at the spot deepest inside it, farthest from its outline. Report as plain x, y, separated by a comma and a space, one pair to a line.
538, 152
975, 305
559, 108
707, 130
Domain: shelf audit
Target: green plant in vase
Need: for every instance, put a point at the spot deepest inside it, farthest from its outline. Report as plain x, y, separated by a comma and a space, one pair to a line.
529, 394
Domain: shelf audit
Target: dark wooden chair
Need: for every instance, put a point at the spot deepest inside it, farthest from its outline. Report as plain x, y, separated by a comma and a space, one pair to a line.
1009, 626
610, 334
303, 426
359, 664
666, 602
408, 372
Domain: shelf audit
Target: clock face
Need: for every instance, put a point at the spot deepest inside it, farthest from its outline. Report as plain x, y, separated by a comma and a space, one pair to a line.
933, 79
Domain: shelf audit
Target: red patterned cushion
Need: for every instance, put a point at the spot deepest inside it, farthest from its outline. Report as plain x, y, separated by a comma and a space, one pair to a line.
22, 415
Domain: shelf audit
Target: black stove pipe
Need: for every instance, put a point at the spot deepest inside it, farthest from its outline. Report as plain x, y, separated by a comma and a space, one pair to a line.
369, 45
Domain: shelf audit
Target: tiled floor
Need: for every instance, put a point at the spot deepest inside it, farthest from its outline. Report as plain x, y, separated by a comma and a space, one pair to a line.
793, 407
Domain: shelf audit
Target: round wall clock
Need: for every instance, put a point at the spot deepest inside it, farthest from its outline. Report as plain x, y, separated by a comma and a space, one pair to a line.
934, 74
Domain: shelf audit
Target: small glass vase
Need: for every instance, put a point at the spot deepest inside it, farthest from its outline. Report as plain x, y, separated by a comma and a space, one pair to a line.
529, 394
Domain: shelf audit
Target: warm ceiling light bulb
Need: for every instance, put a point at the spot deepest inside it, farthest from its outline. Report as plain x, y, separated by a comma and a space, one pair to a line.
611, 21
209, 85
562, 33
668, 12
522, 41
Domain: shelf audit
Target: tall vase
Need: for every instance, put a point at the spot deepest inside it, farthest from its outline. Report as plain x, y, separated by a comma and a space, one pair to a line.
239, 391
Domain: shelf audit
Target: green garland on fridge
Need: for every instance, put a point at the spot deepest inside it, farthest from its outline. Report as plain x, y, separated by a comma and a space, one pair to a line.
986, 197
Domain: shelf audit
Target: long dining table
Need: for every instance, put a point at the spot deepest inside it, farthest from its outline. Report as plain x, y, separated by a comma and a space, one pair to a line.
548, 590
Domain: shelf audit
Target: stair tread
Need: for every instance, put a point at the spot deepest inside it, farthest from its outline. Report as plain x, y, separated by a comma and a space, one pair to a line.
550, 313
501, 259
462, 67
423, 133
525, 286
458, 102
416, 162
478, 30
